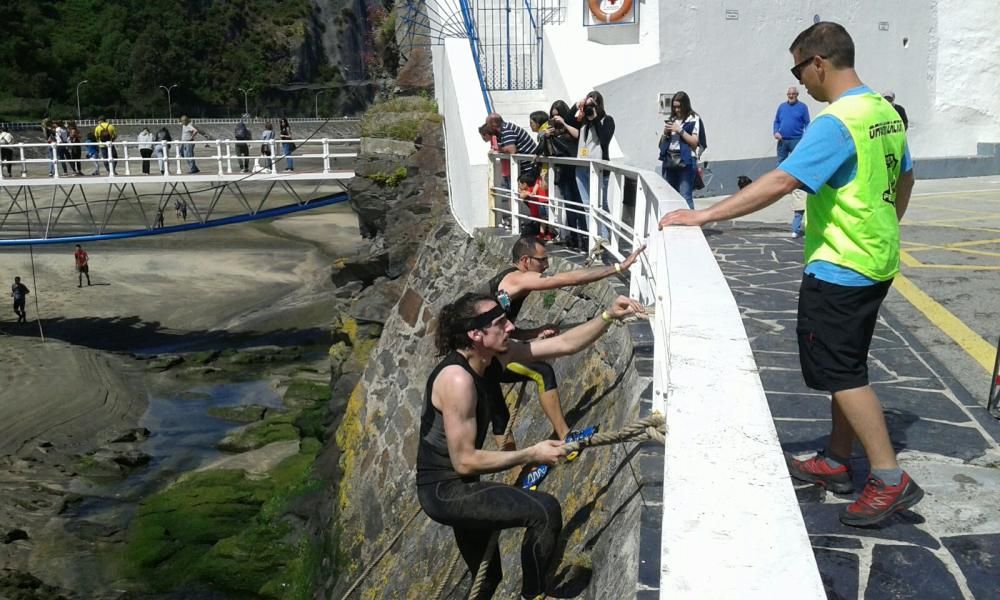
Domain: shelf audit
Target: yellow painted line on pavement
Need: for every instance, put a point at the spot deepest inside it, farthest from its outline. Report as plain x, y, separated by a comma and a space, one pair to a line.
975, 346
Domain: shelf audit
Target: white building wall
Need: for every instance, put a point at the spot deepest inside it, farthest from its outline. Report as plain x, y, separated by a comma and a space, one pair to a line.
737, 71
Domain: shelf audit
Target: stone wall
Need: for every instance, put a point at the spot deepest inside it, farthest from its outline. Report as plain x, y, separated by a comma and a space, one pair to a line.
600, 491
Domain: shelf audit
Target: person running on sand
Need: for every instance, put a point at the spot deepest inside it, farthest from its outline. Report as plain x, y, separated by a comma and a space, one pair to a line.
20, 292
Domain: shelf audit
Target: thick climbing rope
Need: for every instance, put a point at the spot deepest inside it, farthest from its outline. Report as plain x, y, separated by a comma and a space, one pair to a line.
652, 427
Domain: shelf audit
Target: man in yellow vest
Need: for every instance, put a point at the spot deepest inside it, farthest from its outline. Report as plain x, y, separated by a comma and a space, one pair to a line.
855, 166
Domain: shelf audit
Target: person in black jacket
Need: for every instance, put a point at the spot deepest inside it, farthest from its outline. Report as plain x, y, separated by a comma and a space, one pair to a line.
560, 141
594, 137
890, 97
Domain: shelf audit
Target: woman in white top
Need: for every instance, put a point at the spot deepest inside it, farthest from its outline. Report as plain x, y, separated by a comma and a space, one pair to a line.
680, 145
145, 139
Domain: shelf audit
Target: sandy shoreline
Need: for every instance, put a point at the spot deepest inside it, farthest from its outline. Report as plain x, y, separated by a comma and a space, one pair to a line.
225, 287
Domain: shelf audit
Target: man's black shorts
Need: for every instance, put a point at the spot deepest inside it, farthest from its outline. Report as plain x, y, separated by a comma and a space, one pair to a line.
539, 372
835, 328
84, 269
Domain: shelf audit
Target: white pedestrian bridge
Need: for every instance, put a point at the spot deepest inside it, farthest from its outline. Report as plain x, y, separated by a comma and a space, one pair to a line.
48, 196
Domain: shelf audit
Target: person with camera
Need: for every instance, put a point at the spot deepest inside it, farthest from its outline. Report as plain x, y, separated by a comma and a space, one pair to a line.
560, 141
679, 146
596, 130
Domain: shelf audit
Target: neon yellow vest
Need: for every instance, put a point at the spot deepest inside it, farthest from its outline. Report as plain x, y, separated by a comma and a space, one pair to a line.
855, 226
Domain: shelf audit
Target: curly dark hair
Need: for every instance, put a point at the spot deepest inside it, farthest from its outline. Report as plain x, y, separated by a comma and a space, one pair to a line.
451, 331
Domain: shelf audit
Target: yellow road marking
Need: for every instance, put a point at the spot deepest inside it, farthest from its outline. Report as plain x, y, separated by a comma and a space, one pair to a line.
970, 341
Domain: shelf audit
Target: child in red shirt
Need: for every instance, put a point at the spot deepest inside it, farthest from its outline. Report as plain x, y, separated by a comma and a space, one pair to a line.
534, 192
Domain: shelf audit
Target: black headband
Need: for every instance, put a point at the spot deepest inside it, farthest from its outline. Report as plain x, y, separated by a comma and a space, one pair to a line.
483, 319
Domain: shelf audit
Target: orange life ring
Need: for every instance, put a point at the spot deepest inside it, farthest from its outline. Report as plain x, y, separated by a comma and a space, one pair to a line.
601, 14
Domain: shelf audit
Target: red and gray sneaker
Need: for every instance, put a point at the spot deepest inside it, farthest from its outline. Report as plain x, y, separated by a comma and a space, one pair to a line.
879, 501
817, 470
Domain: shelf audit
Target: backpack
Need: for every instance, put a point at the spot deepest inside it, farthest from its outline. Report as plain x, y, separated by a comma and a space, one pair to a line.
242, 133
104, 133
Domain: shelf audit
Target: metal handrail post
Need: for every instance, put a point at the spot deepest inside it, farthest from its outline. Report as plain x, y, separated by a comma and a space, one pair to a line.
218, 157
53, 157
326, 156
128, 170
470, 30
515, 207
24, 165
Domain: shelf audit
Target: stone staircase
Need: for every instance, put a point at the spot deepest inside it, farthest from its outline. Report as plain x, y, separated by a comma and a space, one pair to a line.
517, 106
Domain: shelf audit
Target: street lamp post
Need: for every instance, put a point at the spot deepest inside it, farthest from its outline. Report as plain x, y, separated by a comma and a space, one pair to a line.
246, 105
170, 106
317, 102
78, 117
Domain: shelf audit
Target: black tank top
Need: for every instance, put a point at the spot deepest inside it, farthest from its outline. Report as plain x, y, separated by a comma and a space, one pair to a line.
433, 460
515, 305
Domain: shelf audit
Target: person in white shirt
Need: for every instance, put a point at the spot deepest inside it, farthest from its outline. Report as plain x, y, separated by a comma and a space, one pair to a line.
145, 139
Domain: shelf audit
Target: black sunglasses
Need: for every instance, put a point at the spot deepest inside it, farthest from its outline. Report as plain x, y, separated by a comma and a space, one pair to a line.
797, 69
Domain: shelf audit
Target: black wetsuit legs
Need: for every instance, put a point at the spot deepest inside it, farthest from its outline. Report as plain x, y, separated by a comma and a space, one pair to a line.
476, 509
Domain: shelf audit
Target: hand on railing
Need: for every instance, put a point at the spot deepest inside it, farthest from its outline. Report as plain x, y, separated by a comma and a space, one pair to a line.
684, 216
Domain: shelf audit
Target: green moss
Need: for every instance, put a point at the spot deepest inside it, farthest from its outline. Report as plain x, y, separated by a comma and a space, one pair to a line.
389, 179
302, 392
278, 428
548, 299
222, 529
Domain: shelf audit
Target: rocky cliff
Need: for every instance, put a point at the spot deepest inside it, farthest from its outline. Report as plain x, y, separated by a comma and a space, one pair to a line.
601, 493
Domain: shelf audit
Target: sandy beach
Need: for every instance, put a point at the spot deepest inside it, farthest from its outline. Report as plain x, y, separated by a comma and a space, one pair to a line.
232, 286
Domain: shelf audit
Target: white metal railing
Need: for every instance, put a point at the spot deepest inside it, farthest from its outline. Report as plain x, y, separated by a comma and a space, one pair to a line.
22, 125
61, 160
726, 488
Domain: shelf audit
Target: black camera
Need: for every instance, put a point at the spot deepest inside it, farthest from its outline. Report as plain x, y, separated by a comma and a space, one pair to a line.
590, 111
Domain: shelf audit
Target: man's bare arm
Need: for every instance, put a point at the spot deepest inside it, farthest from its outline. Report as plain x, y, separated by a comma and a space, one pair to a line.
575, 339
904, 187
455, 393
763, 192
521, 282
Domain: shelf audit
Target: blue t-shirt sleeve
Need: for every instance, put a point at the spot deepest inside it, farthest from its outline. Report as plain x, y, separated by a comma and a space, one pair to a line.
825, 147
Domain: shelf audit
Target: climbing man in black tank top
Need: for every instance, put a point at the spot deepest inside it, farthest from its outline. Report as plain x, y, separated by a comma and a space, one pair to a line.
511, 287
462, 399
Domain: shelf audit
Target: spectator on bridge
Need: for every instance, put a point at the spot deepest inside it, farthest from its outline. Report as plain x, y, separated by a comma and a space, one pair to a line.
512, 139
265, 148
62, 146
19, 292
162, 148
679, 146
90, 145
6, 153
145, 139
286, 143
75, 149
106, 134
890, 97
49, 131
188, 133
561, 142
539, 123
597, 128
242, 135
82, 261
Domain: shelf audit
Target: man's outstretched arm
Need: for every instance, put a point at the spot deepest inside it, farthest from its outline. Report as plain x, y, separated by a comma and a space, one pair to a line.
523, 282
575, 339
763, 192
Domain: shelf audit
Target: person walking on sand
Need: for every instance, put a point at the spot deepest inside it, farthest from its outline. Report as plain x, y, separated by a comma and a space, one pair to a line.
82, 265
19, 292
854, 163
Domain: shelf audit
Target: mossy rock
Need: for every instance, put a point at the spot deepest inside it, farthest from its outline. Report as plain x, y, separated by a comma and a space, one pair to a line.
303, 393
233, 533
203, 358
248, 413
165, 363
265, 355
256, 435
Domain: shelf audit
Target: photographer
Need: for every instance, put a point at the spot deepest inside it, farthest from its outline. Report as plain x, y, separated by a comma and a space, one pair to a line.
561, 142
596, 129
679, 146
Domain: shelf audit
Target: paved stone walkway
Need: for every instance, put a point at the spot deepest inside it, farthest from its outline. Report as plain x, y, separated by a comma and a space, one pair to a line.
949, 545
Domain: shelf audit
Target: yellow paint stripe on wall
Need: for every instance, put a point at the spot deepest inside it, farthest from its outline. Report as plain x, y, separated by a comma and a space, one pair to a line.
975, 346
